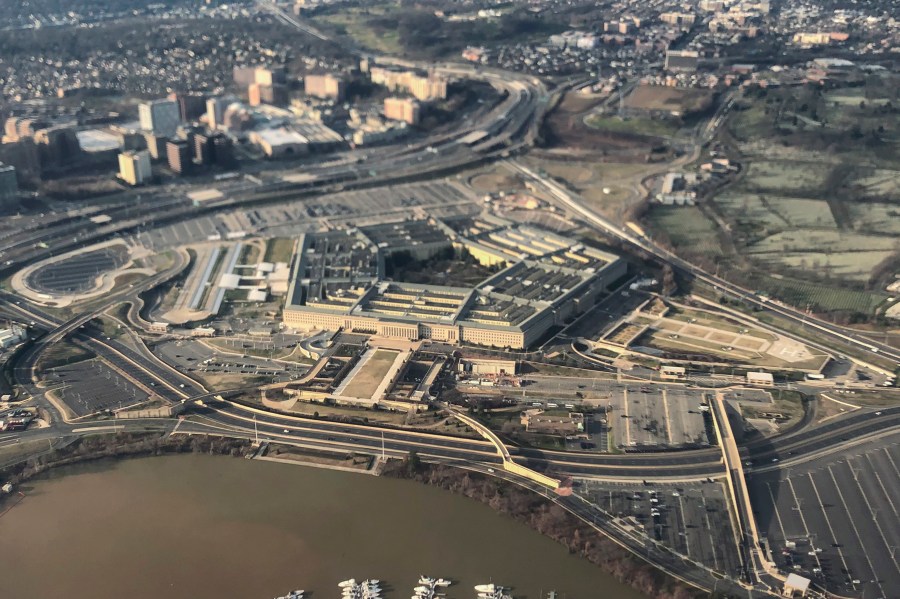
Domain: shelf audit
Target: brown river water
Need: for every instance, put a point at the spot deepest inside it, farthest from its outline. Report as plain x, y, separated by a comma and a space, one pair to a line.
202, 527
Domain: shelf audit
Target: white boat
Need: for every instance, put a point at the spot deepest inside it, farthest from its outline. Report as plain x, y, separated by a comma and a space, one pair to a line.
486, 588
440, 582
347, 583
425, 580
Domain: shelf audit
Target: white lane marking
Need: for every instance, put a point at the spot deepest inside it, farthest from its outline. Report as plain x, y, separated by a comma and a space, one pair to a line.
862, 545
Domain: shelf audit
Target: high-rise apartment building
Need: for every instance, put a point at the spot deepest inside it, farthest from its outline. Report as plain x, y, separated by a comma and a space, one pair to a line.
9, 186
178, 154
402, 109
162, 117
134, 167
326, 86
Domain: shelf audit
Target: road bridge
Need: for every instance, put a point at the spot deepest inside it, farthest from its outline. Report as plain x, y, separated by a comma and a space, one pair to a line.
508, 464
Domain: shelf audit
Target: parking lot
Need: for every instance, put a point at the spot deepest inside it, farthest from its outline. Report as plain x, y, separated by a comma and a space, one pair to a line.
194, 356
91, 386
78, 273
648, 416
436, 198
691, 519
835, 520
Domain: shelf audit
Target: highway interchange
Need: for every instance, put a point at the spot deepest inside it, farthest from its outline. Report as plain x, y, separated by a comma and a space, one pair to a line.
771, 466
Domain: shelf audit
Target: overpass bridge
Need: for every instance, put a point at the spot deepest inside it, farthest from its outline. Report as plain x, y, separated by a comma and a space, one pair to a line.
508, 464
759, 569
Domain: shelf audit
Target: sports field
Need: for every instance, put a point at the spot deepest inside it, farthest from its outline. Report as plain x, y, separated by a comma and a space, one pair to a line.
366, 380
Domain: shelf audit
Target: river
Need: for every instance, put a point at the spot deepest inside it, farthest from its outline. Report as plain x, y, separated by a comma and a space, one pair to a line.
204, 527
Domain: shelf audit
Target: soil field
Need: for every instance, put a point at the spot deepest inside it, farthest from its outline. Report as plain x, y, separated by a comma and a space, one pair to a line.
659, 98
366, 381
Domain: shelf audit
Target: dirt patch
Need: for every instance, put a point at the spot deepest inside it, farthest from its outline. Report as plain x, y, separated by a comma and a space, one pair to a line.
491, 182
658, 98
564, 129
366, 380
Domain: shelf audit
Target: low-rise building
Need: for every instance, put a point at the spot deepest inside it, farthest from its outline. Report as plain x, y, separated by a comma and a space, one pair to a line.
490, 366
569, 425
763, 379
281, 142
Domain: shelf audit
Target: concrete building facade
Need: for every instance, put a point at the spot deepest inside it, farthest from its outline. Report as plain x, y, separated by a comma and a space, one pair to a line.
178, 156
134, 167
402, 109
326, 86
9, 186
162, 117
545, 279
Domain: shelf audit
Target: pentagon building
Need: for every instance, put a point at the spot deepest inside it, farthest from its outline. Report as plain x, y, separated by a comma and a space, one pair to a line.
337, 281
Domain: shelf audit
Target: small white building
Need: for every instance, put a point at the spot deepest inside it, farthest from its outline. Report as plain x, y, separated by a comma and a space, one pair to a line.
760, 378
281, 142
795, 585
11, 336
677, 373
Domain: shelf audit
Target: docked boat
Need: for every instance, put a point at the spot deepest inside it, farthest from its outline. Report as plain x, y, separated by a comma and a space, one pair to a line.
298, 594
426, 580
486, 588
344, 584
440, 582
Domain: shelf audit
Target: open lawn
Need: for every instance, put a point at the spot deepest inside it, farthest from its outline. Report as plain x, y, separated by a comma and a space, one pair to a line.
369, 376
337, 412
356, 24
687, 228
819, 297
875, 217
783, 176
279, 249
62, 353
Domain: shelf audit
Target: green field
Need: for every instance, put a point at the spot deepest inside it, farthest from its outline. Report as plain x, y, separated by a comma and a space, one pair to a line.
786, 176
279, 249
686, 228
817, 296
356, 24
365, 382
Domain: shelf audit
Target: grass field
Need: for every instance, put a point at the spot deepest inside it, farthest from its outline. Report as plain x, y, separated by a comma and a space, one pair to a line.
783, 176
687, 228
876, 217
355, 23
279, 249
818, 297
366, 380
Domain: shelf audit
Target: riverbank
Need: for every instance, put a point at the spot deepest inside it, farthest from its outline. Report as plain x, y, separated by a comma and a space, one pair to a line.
551, 521
521, 505
120, 445
196, 526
